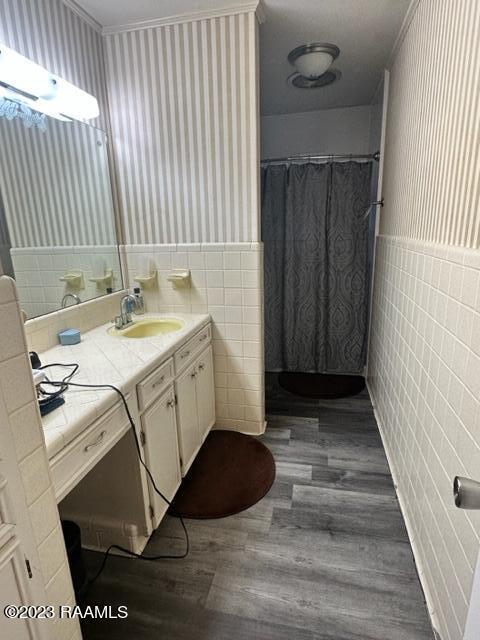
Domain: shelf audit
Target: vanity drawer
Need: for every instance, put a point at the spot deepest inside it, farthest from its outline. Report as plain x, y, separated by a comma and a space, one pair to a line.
154, 384
186, 354
75, 461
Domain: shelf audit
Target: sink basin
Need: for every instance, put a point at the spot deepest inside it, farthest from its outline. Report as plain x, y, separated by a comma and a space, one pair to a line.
148, 328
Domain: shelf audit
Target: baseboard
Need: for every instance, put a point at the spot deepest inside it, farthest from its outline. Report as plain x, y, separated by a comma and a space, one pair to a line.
408, 525
99, 533
258, 430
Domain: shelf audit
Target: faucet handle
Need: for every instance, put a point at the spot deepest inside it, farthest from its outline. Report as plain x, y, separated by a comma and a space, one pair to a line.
118, 322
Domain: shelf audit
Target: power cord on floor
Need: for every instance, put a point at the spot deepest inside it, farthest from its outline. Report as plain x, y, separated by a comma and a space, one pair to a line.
63, 385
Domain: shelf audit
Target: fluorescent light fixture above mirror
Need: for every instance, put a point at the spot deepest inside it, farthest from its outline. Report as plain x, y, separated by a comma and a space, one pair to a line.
41, 90
39, 105
72, 102
23, 75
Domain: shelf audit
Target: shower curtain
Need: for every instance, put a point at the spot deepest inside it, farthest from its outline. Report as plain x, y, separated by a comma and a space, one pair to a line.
315, 239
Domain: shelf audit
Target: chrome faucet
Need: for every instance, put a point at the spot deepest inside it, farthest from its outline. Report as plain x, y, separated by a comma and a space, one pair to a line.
67, 296
125, 317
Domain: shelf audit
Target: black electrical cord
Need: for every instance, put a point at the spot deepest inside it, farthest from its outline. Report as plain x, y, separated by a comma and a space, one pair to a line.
62, 387
49, 396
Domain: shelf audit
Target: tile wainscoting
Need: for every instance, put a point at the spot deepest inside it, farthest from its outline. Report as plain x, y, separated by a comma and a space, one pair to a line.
424, 379
38, 271
227, 283
42, 332
18, 399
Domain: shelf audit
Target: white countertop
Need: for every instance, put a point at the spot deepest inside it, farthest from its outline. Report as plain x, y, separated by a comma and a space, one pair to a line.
106, 359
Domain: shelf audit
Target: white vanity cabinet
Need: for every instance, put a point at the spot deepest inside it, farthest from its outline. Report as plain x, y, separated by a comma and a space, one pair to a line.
195, 406
14, 589
173, 408
21, 582
205, 392
160, 442
187, 417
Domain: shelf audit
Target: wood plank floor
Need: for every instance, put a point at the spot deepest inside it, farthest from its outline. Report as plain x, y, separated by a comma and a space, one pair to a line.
324, 556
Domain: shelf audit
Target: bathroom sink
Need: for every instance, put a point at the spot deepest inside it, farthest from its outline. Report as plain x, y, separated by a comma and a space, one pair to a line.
148, 328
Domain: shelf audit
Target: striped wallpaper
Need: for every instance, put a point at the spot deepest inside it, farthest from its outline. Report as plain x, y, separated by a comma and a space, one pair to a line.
432, 159
55, 185
184, 106
66, 188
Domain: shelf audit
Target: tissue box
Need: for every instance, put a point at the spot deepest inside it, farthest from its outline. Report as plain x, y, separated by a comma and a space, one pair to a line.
69, 336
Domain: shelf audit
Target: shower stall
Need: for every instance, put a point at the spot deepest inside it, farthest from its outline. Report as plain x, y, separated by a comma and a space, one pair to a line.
317, 232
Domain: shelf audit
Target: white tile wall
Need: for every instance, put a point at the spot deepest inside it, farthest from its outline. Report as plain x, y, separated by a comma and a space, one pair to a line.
16, 393
227, 283
38, 271
42, 332
424, 378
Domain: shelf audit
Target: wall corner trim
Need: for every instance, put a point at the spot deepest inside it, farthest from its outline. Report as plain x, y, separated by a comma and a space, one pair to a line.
407, 21
254, 6
408, 525
84, 15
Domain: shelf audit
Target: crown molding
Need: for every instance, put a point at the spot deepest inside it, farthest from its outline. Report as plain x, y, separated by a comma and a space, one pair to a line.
407, 21
255, 6
84, 15
260, 12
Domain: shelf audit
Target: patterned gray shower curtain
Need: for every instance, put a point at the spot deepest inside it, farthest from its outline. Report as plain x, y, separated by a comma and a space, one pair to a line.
316, 266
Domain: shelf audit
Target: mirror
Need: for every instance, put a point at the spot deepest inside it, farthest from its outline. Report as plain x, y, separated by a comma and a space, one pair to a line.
57, 225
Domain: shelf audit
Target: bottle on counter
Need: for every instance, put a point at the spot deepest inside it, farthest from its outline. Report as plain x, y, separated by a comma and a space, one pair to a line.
139, 301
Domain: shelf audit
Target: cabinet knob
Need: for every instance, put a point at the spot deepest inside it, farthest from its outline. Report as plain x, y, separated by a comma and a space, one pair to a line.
193, 374
158, 382
201, 366
171, 403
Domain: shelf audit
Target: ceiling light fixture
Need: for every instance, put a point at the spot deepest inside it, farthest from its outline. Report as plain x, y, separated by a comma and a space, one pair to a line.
312, 63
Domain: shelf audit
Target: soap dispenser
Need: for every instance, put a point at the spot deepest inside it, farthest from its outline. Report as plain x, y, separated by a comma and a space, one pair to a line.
139, 301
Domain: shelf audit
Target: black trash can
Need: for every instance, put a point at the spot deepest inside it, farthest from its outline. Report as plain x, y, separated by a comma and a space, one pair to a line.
73, 543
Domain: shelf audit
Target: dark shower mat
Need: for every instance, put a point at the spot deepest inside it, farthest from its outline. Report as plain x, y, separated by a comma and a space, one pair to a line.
323, 386
231, 472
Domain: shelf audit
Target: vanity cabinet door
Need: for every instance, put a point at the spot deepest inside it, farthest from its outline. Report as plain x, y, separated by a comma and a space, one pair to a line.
14, 591
187, 417
159, 427
205, 393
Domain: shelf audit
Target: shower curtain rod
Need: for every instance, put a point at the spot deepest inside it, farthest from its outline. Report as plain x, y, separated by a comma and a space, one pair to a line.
327, 156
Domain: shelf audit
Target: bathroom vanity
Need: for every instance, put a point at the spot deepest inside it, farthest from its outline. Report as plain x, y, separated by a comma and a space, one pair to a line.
168, 382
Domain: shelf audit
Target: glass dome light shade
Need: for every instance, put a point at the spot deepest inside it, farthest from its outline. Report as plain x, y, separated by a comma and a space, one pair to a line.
313, 65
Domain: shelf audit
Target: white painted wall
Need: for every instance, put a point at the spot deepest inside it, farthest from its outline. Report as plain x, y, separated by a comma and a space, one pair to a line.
321, 132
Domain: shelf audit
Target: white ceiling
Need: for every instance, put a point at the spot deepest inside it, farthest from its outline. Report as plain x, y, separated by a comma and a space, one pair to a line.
365, 31
113, 13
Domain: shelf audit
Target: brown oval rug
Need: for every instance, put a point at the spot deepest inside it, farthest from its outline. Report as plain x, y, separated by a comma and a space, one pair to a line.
324, 386
231, 472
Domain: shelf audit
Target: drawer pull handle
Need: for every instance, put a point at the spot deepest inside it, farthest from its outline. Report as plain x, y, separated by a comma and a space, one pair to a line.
184, 354
201, 366
193, 375
171, 403
96, 443
158, 382
204, 337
